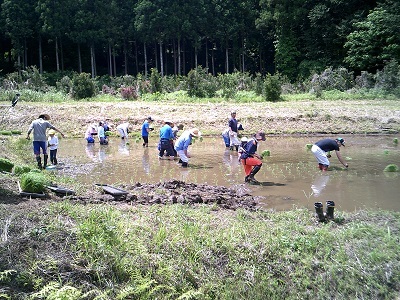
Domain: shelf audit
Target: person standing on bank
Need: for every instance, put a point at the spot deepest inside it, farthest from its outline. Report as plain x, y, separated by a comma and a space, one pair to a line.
183, 143
39, 127
250, 159
322, 147
166, 140
145, 131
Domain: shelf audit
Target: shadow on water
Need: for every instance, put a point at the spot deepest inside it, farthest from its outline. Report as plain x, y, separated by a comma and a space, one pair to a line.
289, 177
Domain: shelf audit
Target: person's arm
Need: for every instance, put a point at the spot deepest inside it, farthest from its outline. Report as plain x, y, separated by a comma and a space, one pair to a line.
29, 132
62, 134
339, 156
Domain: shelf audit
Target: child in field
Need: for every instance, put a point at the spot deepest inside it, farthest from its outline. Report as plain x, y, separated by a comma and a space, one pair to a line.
53, 146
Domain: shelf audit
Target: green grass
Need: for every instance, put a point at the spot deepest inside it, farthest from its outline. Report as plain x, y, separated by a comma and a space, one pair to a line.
182, 252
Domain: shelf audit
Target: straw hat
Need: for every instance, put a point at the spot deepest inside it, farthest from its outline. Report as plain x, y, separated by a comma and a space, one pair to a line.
195, 132
45, 116
52, 132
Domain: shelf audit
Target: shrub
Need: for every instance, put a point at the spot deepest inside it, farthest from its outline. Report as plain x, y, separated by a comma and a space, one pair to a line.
332, 79
129, 93
155, 81
272, 88
229, 84
82, 86
33, 182
200, 83
258, 84
388, 79
33, 80
64, 85
6, 165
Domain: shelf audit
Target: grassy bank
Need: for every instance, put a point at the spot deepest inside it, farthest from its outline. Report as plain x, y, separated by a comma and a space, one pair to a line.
65, 250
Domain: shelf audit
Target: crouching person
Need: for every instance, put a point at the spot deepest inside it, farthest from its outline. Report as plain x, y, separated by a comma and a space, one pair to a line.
182, 144
250, 159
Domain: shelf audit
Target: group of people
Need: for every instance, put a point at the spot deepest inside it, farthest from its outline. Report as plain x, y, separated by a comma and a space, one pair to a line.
171, 146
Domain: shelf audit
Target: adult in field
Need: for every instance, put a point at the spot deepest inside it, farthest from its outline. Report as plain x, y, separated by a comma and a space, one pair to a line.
146, 130
321, 151
123, 130
250, 159
182, 144
233, 132
102, 134
39, 127
166, 140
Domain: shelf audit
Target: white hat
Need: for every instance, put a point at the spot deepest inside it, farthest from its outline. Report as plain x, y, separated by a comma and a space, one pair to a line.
195, 132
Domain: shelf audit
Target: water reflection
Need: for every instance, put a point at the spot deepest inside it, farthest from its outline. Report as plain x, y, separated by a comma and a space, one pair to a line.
320, 182
288, 177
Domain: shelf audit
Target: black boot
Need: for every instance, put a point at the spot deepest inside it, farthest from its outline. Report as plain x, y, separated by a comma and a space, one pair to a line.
46, 157
39, 162
330, 207
319, 210
180, 161
184, 164
254, 172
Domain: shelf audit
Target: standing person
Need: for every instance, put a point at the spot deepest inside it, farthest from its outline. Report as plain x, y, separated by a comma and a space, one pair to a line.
166, 140
146, 130
39, 127
183, 143
123, 130
175, 131
52, 141
101, 134
322, 147
250, 159
233, 132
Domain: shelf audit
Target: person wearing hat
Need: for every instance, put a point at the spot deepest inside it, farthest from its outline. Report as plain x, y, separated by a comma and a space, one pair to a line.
322, 147
123, 130
182, 144
166, 140
146, 130
39, 127
250, 159
52, 142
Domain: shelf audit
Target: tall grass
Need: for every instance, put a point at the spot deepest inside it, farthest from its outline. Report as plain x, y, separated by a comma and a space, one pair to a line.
181, 252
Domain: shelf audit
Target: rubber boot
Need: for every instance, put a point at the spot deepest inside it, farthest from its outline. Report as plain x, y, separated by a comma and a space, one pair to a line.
319, 210
180, 161
237, 147
253, 173
330, 207
247, 178
54, 161
184, 164
39, 162
46, 157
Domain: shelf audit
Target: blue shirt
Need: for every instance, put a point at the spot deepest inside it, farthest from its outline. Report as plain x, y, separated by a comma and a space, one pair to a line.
250, 148
183, 141
166, 132
145, 126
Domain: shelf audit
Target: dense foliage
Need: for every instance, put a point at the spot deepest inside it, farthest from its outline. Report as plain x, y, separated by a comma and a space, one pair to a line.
296, 38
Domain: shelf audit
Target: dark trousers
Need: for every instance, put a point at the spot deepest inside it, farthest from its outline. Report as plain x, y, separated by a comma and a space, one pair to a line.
53, 156
166, 145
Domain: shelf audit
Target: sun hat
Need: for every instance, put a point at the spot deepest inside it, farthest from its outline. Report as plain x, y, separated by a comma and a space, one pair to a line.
167, 121
52, 131
244, 139
340, 140
260, 136
233, 112
195, 132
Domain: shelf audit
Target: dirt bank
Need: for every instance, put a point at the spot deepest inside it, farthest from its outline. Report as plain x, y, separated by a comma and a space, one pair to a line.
303, 117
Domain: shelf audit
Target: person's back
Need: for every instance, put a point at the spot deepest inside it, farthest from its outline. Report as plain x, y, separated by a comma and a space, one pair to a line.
39, 127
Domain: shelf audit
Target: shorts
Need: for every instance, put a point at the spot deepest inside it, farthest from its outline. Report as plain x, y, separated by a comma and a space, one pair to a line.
37, 145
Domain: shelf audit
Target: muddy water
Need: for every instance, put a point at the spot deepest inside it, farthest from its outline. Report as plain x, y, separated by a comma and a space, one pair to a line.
289, 176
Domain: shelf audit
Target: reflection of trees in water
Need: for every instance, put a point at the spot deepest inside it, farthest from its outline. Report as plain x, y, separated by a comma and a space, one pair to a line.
319, 183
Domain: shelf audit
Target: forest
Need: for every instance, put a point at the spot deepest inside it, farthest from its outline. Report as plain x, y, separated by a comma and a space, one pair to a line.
128, 37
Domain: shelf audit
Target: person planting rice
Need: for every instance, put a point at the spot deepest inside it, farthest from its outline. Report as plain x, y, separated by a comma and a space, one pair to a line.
166, 140
250, 159
183, 143
39, 127
123, 130
146, 130
322, 147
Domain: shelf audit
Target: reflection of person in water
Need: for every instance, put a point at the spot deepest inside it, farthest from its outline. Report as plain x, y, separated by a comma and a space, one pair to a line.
90, 151
146, 161
102, 154
319, 184
122, 148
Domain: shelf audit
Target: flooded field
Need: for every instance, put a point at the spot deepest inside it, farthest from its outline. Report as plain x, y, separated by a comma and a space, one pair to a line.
290, 176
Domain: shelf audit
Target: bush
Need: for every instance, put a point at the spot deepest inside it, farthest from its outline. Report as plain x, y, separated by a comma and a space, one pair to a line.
272, 88
155, 81
229, 84
33, 182
82, 86
331, 79
64, 85
200, 83
6, 165
388, 79
129, 93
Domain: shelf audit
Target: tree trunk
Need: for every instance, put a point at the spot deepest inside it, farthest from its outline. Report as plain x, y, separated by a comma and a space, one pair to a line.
79, 59
92, 60
195, 57
184, 58
243, 53
25, 54
136, 58
109, 61
161, 60
226, 59
207, 55
145, 59
57, 59
155, 55
213, 61
114, 64
62, 55
175, 57
179, 57
40, 55
125, 58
